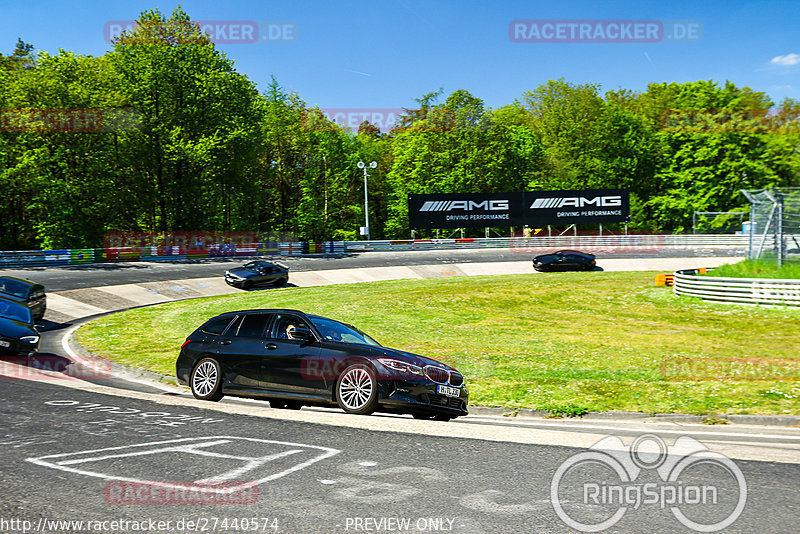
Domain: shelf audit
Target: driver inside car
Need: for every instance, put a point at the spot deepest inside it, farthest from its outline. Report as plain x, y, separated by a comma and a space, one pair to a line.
330, 333
290, 328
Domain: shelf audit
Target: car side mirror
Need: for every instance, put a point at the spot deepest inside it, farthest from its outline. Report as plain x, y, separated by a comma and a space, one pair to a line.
301, 334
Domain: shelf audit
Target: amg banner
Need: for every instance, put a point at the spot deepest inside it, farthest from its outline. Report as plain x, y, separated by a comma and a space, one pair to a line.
532, 208
453, 210
576, 207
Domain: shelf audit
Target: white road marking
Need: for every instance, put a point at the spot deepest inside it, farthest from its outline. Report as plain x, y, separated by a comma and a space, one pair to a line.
252, 464
681, 432
192, 446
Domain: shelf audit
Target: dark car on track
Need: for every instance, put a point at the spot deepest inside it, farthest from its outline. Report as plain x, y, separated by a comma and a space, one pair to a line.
294, 359
565, 260
257, 273
30, 292
18, 335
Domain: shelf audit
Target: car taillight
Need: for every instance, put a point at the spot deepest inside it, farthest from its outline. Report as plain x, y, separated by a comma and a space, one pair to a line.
186, 342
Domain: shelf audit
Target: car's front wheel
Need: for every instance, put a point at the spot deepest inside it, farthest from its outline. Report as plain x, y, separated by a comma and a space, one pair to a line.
357, 390
206, 380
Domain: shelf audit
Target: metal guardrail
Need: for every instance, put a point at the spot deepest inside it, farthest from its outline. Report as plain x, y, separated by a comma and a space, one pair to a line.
590, 242
752, 291
649, 244
50, 258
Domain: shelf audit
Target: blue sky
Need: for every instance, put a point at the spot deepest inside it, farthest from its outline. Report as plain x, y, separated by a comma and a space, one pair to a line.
383, 54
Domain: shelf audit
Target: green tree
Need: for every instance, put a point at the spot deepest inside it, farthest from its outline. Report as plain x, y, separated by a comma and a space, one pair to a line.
199, 119
477, 152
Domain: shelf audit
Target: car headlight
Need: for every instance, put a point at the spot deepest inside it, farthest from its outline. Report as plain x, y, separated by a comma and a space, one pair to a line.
30, 339
403, 367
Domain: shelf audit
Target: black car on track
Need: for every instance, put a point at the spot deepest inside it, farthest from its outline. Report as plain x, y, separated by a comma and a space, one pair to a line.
565, 260
32, 293
18, 334
294, 359
257, 273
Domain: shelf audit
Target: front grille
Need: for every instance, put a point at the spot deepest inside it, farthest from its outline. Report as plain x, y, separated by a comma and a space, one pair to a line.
456, 379
450, 402
437, 374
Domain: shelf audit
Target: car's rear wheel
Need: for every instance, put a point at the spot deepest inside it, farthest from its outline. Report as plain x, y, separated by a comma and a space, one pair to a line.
357, 390
206, 380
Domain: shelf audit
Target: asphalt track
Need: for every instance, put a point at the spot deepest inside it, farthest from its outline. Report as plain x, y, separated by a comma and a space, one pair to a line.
107, 274
325, 471
79, 454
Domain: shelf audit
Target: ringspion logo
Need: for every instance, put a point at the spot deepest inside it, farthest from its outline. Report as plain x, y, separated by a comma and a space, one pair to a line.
703, 490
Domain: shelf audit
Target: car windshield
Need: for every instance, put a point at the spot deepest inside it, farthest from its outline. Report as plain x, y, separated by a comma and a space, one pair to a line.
12, 287
335, 331
253, 266
15, 312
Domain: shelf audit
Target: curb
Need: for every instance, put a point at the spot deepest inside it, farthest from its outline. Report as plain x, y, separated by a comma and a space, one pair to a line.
118, 369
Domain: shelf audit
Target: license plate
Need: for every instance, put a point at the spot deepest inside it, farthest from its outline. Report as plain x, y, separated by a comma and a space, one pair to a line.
5, 344
447, 391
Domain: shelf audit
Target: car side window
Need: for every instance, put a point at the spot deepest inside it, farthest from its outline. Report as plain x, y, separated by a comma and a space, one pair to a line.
253, 325
285, 323
217, 326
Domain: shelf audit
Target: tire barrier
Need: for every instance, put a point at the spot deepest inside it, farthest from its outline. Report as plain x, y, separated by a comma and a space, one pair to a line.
751, 291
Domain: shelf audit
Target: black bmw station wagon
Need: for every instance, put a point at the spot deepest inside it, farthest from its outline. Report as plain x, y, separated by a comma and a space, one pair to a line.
294, 359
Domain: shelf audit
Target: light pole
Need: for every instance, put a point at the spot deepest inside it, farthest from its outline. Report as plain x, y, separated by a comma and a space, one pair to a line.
362, 165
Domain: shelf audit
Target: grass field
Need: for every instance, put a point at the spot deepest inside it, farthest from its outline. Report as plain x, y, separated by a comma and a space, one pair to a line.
564, 342
758, 269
